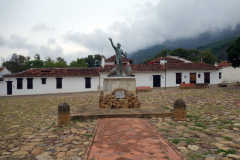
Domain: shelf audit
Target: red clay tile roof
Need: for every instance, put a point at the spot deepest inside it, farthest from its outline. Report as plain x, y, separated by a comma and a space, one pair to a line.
56, 72
190, 66
169, 60
158, 67
224, 64
1, 69
112, 59
135, 68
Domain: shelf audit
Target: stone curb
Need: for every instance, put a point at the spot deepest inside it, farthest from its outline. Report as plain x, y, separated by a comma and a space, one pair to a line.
121, 115
91, 141
165, 139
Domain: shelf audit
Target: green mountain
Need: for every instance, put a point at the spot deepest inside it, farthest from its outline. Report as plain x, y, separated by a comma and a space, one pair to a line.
219, 48
140, 56
217, 42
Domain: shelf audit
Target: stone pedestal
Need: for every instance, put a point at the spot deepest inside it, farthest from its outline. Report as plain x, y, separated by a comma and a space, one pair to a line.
119, 92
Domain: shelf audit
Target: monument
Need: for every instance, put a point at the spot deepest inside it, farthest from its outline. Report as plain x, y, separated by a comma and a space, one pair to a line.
119, 53
119, 91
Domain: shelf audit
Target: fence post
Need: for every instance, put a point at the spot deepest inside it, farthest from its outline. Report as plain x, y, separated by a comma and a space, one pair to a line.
179, 110
63, 114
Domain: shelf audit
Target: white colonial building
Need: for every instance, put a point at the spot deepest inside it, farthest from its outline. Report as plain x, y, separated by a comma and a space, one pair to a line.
229, 73
164, 71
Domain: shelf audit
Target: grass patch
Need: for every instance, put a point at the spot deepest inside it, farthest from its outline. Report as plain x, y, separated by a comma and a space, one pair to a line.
194, 128
200, 125
173, 124
226, 122
194, 156
88, 135
226, 152
188, 141
163, 129
184, 124
165, 107
227, 138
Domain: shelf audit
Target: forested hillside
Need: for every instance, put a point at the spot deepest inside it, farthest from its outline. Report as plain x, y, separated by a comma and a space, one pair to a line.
216, 42
219, 48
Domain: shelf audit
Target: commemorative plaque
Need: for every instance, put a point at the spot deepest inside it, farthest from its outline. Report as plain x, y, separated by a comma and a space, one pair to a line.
119, 94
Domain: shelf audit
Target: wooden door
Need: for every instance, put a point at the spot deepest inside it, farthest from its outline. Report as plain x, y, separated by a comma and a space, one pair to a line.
156, 81
9, 88
207, 78
178, 78
193, 78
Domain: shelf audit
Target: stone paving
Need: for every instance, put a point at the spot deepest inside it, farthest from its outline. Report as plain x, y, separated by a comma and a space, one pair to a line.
129, 138
28, 127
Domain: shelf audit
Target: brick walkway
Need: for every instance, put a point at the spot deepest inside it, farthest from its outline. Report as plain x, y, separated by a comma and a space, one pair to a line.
129, 139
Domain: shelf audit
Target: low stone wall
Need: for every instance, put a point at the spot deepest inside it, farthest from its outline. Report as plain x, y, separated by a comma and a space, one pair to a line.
201, 85
110, 101
187, 86
144, 89
222, 85
194, 86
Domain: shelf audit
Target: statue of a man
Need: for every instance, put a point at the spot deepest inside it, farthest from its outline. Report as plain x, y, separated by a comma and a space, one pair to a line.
119, 53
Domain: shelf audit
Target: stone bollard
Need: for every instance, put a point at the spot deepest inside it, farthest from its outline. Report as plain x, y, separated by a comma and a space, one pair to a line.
63, 114
179, 110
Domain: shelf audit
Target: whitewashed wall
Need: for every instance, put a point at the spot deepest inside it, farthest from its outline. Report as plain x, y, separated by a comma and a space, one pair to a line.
69, 84
146, 79
231, 74
4, 71
171, 77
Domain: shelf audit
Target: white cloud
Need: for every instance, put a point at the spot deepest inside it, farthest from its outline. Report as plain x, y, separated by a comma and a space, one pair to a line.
42, 27
167, 20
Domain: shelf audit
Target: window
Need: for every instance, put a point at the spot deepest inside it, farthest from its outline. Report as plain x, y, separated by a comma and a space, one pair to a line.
19, 83
178, 78
29, 83
88, 82
220, 75
43, 80
59, 83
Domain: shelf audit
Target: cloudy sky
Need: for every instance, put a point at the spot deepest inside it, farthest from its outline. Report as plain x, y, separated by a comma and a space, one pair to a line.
76, 28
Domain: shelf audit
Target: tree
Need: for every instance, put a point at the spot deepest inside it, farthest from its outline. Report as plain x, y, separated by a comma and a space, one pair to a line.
193, 55
60, 62
49, 62
93, 61
78, 63
163, 53
37, 57
35, 64
181, 52
208, 57
17, 63
234, 53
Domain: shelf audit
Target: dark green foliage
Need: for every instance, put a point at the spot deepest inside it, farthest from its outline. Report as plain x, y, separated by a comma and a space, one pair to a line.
219, 48
140, 56
93, 61
234, 53
230, 151
88, 135
200, 125
35, 64
191, 54
79, 63
49, 63
208, 57
19, 63
16, 63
